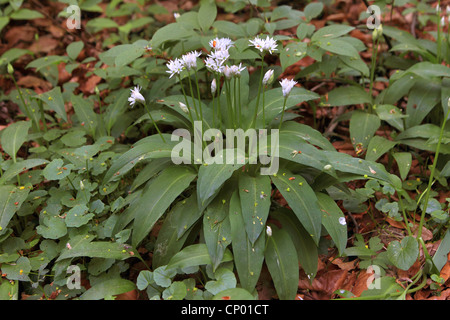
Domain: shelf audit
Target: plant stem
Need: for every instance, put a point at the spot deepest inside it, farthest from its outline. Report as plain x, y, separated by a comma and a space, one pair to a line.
372, 68
27, 111
430, 181
282, 114
187, 104
239, 98
259, 92
198, 95
264, 106
192, 96
229, 104
154, 123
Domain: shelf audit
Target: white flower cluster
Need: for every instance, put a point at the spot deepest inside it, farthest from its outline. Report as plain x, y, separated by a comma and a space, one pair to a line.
187, 61
269, 44
136, 96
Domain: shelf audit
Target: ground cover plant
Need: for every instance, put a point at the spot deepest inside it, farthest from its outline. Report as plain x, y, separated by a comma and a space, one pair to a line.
217, 150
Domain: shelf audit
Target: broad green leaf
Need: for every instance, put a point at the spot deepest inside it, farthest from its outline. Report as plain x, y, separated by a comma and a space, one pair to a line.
84, 246
3, 22
52, 227
440, 257
423, 97
293, 52
302, 199
339, 47
333, 220
254, 193
78, 216
55, 170
150, 147
19, 167
144, 279
176, 291
163, 276
85, 113
108, 288
224, 279
129, 54
377, 147
403, 254
98, 24
18, 270
8, 290
194, 255
345, 163
362, 128
330, 32
159, 195
168, 243
211, 178
307, 250
216, 227
391, 114
248, 258
307, 133
47, 61
171, 32
229, 28
14, 136
403, 160
234, 294
54, 101
282, 262
74, 49
344, 96
207, 14
313, 10
26, 14
11, 199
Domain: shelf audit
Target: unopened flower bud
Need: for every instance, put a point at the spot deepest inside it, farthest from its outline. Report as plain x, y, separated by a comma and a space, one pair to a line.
213, 86
377, 32
10, 68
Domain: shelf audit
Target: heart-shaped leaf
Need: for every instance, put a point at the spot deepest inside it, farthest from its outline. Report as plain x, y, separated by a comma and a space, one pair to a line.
403, 254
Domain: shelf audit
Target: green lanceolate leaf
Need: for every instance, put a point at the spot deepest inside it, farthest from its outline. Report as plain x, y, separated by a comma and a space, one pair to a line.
194, 255
211, 178
404, 160
84, 246
19, 167
377, 147
217, 228
302, 199
168, 243
248, 257
14, 136
159, 195
307, 133
108, 288
254, 193
305, 246
362, 128
207, 14
403, 254
282, 262
11, 199
344, 96
333, 220
85, 113
151, 147
54, 101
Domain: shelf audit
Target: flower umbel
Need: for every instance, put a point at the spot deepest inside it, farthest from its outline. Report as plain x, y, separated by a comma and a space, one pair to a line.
136, 96
221, 43
175, 67
190, 59
286, 86
269, 44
